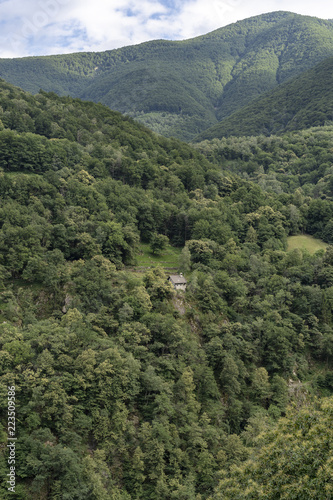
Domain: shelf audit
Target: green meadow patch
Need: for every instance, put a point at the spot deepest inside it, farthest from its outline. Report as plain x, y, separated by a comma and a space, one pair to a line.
305, 242
167, 258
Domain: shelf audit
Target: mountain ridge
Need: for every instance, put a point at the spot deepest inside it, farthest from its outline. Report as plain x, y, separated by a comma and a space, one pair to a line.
302, 102
180, 88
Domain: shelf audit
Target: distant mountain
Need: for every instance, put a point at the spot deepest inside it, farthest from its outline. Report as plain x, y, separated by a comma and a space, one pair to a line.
303, 102
183, 88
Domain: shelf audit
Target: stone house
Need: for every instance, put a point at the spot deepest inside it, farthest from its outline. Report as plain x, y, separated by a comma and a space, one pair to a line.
178, 281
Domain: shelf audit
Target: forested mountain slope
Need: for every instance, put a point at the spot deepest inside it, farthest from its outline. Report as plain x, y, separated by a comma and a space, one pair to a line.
303, 102
125, 390
182, 88
294, 161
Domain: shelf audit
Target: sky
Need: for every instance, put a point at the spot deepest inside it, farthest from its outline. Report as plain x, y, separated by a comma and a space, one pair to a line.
44, 27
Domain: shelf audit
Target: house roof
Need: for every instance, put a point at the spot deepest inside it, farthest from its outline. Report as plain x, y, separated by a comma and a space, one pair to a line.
178, 279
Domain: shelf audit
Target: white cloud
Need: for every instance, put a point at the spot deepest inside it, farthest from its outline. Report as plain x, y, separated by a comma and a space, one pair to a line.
34, 27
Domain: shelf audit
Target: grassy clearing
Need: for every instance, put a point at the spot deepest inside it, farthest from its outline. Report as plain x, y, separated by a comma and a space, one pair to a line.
305, 242
168, 258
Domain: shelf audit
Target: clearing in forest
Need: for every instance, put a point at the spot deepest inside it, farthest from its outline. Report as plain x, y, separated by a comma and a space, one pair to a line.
305, 242
167, 258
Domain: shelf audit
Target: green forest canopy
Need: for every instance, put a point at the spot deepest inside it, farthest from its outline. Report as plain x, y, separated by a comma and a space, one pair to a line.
303, 102
124, 389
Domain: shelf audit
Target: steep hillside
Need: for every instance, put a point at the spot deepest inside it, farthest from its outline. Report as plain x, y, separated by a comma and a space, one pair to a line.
295, 161
122, 387
303, 102
182, 88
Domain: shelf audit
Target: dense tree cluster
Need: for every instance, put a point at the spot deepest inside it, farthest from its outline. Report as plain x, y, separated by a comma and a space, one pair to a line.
297, 164
124, 388
285, 464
